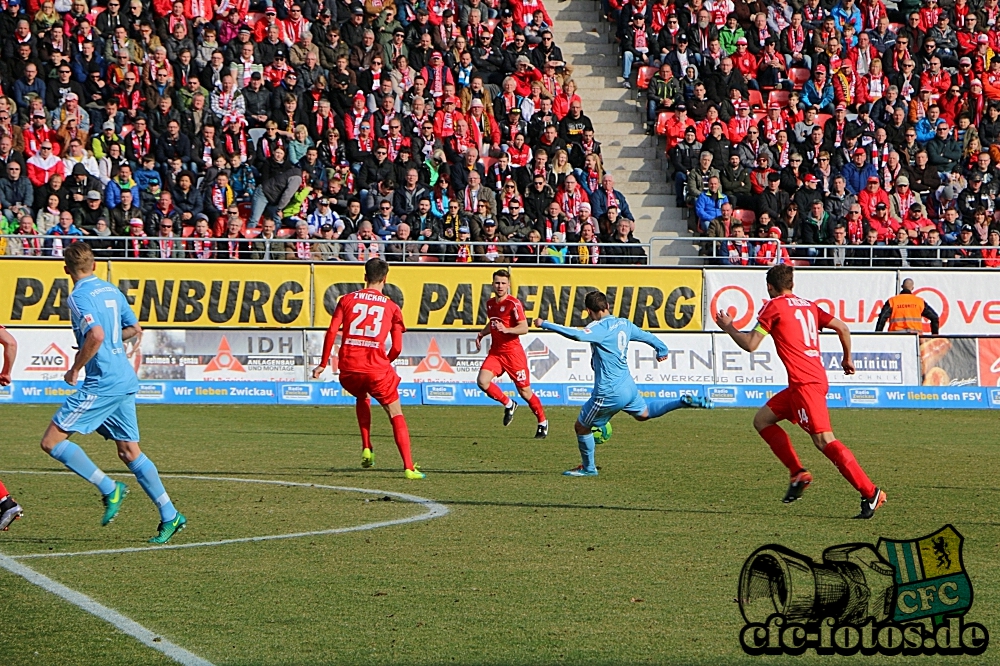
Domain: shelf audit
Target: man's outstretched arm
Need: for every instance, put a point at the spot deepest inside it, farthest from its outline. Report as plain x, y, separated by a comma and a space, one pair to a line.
748, 341
578, 334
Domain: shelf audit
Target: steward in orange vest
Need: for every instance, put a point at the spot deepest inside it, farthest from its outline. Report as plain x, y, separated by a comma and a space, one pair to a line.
906, 312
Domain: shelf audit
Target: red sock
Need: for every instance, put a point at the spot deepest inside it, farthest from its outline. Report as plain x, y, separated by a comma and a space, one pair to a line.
494, 392
402, 436
363, 409
842, 457
536, 408
3, 490
781, 446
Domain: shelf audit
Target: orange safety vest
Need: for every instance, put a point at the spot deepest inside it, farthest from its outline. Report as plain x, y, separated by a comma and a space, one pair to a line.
907, 313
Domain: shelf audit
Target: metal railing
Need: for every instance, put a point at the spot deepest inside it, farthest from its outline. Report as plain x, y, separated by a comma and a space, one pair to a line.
322, 250
714, 252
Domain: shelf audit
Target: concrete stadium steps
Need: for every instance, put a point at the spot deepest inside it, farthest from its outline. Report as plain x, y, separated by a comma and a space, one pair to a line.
634, 159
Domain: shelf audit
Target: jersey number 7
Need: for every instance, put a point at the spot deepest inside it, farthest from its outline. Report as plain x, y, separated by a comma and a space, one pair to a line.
361, 312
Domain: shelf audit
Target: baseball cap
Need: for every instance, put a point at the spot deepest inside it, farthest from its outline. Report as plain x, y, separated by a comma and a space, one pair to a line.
774, 106
326, 227
690, 130
256, 76
964, 61
966, 227
435, 54
109, 125
515, 109
682, 38
983, 39
451, 99
872, 179
841, 107
880, 206
38, 114
976, 177
915, 207
810, 178
741, 40
153, 180
271, 11
280, 53
358, 10
489, 222
72, 96
477, 104
680, 107
903, 180
976, 82
861, 151
820, 69
506, 13
323, 201
463, 230
93, 195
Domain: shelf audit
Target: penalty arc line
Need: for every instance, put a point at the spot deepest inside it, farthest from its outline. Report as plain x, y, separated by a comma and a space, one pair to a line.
144, 635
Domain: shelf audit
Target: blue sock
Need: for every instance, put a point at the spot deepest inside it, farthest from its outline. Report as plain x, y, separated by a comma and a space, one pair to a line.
147, 476
73, 457
586, 443
658, 408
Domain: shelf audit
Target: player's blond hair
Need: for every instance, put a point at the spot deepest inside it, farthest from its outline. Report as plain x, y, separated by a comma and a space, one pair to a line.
79, 258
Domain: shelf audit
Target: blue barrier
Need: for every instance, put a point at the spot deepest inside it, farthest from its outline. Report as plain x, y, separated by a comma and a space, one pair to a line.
331, 393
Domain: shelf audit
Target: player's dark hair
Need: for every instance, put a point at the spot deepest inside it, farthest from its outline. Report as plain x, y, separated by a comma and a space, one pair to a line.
596, 301
79, 258
503, 272
781, 277
376, 270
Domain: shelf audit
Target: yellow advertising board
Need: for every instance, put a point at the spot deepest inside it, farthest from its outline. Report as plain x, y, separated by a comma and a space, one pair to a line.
193, 295
455, 296
35, 292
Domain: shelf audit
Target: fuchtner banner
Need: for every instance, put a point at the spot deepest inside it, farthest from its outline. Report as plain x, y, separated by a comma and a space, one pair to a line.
855, 297
454, 297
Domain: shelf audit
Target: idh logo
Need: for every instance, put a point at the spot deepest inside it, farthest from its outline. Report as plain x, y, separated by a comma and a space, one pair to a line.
51, 359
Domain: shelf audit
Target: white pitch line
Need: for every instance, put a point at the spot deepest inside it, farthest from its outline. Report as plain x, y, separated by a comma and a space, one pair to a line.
434, 510
153, 640
112, 617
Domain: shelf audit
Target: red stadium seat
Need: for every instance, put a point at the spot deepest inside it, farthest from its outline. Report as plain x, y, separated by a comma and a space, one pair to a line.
251, 233
756, 101
644, 77
821, 119
491, 24
799, 76
426, 259
186, 232
747, 217
285, 233
661, 122
779, 96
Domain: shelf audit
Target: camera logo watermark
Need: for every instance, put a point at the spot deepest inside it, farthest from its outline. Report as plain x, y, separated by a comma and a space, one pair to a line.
898, 597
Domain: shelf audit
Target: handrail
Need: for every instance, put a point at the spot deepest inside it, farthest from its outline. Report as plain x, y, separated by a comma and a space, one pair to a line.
216, 249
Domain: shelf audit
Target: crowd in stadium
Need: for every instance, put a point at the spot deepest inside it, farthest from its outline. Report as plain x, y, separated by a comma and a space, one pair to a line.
222, 129
826, 123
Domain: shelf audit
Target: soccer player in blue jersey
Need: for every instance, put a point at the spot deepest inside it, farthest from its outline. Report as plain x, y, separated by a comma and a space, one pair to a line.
614, 389
102, 320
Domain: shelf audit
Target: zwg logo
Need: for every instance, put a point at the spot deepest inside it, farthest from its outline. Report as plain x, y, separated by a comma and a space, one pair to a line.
51, 359
899, 597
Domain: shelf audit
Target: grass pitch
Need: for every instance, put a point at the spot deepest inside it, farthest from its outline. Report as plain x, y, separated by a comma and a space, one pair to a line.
639, 565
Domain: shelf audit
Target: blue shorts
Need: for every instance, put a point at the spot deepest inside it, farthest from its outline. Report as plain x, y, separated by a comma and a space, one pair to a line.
112, 416
599, 409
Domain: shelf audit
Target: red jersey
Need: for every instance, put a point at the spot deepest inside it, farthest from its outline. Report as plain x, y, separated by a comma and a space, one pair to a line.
368, 317
795, 323
510, 313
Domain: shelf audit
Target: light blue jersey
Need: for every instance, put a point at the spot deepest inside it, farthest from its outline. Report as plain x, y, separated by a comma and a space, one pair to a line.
96, 302
609, 340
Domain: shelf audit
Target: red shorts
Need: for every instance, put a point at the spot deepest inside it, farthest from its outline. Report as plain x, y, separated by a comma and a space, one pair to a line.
513, 362
804, 405
383, 387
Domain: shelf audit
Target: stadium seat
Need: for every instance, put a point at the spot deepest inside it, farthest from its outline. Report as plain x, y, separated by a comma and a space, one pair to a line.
251, 233
126, 130
758, 115
255, 134
186, 232
821, 119
661, 122
645, 76
488, 162
285, 233
491, 24
756, 101
779, 96
747, 217
799, 76
427, 259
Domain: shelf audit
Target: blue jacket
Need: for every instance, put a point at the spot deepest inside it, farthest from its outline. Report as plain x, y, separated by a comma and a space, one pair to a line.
113, 193
707, 207
925, 132
22, 89
841, 16
856, 178
599, 203
813, 97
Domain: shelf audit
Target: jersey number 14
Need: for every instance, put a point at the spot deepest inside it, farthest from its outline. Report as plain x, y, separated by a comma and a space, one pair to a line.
810, 333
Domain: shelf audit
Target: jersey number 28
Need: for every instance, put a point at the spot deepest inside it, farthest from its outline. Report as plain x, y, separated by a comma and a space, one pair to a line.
361, 312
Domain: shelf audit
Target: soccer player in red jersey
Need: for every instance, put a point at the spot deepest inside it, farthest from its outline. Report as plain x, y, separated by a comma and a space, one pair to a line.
368, 317
795, 324
507, 323
9, 509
